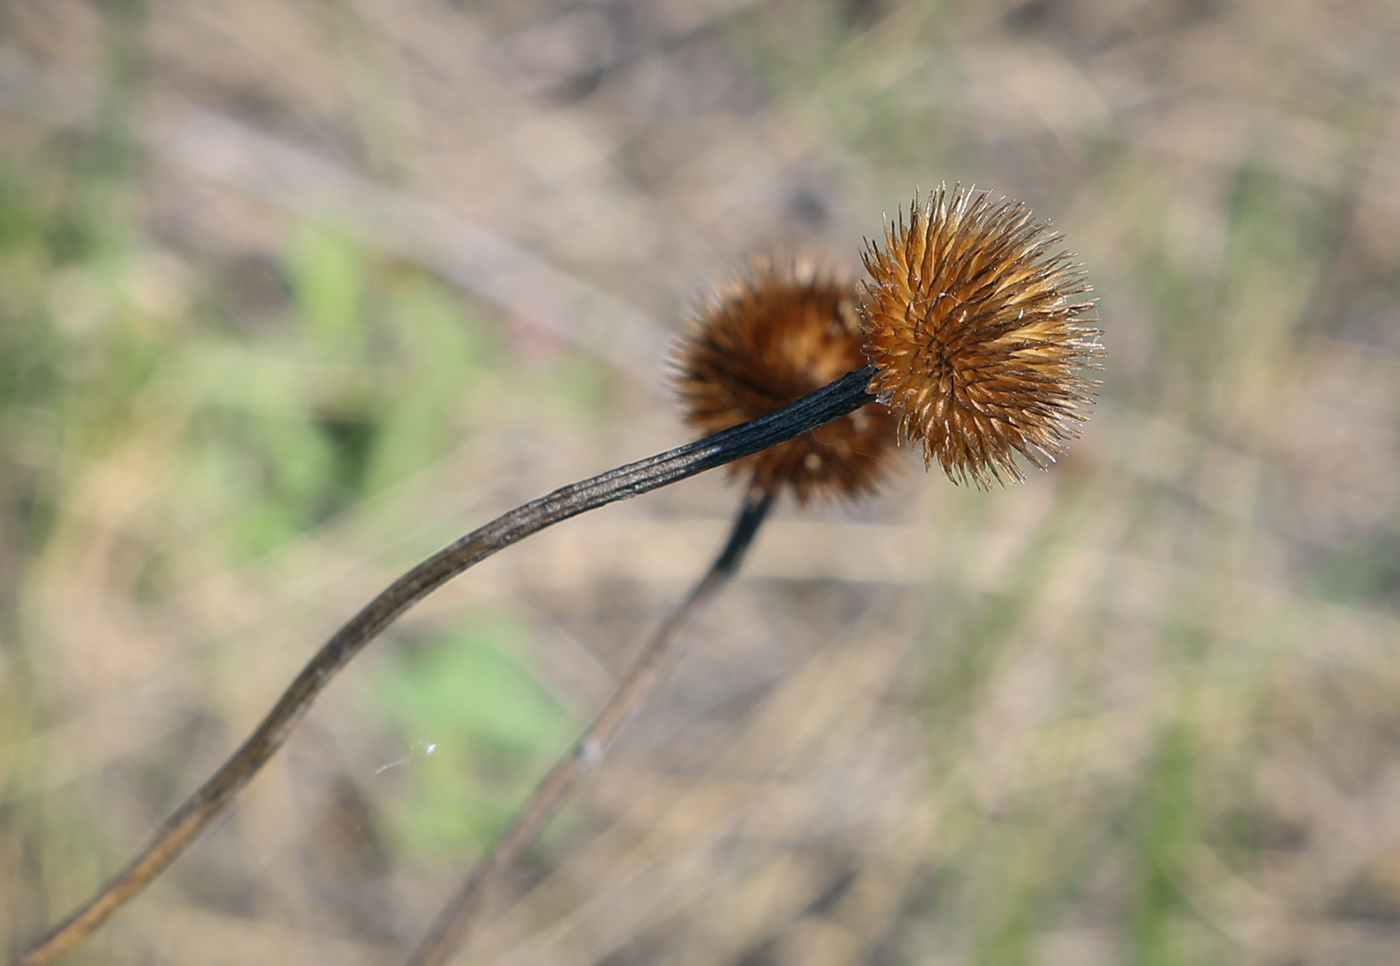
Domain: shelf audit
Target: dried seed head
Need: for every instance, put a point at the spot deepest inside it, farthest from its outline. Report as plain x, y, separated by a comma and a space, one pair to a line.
977, 335
769, 336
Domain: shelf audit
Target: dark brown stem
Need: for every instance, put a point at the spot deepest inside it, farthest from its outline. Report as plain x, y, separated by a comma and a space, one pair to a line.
450, 930
840, 397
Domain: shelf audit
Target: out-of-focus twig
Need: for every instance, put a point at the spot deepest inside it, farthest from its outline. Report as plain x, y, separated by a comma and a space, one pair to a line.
291, 178
471, 257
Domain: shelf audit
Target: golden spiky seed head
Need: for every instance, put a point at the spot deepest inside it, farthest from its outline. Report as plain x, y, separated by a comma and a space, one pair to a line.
771, 334
976, 330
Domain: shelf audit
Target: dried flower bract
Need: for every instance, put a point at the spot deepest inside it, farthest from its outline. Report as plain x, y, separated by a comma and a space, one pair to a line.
977, 332
775, 333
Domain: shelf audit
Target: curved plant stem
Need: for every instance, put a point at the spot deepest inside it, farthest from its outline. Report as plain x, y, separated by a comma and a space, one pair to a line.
836, 399
450, 930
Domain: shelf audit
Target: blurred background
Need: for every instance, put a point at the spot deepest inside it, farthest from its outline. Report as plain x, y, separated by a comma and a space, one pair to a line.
293, 292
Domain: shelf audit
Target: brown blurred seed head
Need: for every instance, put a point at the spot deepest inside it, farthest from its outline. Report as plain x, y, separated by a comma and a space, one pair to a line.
977, 335
768, 337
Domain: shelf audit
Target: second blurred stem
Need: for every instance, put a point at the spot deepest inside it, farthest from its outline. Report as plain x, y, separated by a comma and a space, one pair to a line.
452, 927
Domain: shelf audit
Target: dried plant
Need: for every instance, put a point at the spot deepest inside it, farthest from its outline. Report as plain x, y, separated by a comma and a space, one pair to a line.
977, 344
977, 335
976, 347
765, 337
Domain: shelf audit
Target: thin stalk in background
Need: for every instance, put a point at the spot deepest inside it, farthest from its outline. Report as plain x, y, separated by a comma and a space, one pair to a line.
452, 927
